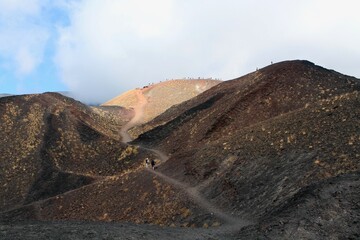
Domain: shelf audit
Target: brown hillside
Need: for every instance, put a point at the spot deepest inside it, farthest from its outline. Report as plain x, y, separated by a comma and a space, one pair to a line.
162, 96
51, 144
273, 154
264, 94
62, 160
255, 142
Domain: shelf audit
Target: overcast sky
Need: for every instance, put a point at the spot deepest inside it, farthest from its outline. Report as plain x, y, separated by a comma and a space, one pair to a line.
98, 49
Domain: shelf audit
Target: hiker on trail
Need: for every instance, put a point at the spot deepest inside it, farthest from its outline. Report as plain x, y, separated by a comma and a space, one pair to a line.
147, 162
153, 164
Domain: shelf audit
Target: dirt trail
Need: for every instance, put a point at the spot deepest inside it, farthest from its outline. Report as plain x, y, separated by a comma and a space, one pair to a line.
138, 117
231, 223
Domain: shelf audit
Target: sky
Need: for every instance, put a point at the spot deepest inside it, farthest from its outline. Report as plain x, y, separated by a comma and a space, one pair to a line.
98, 49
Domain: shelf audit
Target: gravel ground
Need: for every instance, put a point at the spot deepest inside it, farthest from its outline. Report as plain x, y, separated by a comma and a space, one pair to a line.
101, 230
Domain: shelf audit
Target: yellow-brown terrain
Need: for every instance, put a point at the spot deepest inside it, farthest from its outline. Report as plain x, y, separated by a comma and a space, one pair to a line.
163, 95
271, 155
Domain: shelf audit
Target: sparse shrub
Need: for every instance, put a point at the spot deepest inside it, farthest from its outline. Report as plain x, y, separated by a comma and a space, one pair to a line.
185, 212
129, 151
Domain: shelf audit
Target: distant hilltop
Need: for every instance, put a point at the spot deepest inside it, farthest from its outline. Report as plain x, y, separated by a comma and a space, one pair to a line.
5, 95
163, 95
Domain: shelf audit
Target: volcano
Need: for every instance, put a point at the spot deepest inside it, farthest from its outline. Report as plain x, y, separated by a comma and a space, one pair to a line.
273, 154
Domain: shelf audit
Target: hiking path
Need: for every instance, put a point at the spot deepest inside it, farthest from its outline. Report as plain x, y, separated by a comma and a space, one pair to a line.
232, 223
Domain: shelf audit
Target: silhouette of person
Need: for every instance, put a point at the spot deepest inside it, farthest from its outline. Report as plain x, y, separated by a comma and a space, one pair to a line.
153, 164
147, 162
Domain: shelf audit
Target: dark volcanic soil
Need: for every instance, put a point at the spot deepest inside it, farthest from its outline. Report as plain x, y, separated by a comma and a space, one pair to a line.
100, 230
254, 143
326, 210
275, 152
340, 196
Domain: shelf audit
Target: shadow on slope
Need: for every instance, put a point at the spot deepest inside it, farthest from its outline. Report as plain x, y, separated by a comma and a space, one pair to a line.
51, 144
269, 92
54, 182
328, 209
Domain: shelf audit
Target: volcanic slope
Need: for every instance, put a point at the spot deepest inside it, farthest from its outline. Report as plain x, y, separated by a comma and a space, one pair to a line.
51, 144
253, 145
163, 95
278, 147
65, 161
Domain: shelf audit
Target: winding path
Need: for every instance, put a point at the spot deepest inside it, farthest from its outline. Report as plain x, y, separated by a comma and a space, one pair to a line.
138, 117
232, 223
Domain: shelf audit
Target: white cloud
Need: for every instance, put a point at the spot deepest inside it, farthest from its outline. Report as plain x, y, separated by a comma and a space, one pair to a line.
25, 61
114, 45
22, 39
28, 7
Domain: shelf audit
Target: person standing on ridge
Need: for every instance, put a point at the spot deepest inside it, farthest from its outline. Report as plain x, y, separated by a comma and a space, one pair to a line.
147, 162
153, 164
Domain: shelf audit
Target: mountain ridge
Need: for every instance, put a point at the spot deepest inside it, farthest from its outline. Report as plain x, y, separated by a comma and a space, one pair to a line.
273, 148
163, 95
